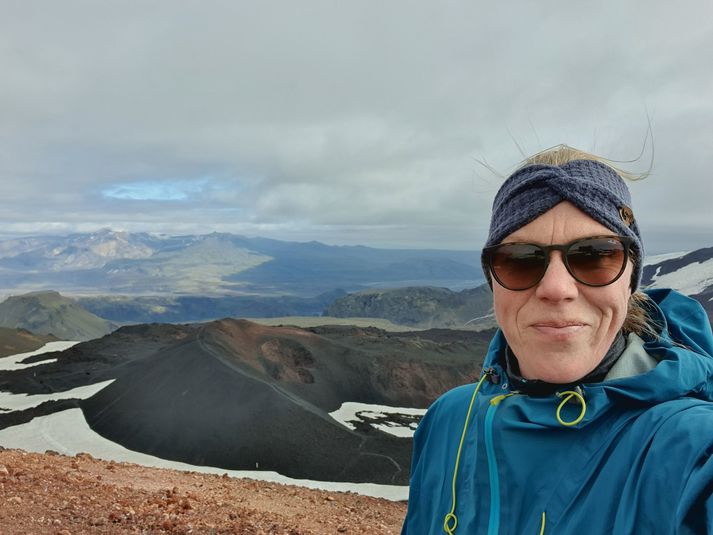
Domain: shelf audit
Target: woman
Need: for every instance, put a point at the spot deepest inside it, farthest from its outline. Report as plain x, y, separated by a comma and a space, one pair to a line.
593, 413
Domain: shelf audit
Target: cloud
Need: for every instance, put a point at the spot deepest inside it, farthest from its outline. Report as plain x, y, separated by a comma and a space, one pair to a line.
358, 122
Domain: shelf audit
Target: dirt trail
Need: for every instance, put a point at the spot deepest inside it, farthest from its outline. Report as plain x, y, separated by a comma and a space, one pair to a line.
54, 494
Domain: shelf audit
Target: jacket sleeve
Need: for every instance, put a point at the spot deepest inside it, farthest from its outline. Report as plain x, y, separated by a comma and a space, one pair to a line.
696, 505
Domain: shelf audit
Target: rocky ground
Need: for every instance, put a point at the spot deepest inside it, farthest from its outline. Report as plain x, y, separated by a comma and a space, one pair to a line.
54, 494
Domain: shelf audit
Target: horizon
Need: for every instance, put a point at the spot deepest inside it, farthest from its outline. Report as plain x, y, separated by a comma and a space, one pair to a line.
686, 243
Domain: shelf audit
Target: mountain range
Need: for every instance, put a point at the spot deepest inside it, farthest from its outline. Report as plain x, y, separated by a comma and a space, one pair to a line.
109, 263
417, 307
136, 277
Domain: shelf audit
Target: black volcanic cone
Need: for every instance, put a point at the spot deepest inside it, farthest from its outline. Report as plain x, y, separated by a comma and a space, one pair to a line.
236, 394
194, 403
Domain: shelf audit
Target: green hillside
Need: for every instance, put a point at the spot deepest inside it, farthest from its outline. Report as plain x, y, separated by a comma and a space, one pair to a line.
423, 307
49, 313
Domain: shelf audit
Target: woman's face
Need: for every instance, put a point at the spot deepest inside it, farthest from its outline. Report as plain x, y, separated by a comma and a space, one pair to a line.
560, 329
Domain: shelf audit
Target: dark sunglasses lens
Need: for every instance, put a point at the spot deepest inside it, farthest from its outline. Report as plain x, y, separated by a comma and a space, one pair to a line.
597, 261
518, 266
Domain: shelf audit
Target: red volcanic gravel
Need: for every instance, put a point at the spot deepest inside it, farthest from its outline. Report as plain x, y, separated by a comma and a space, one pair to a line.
54, 494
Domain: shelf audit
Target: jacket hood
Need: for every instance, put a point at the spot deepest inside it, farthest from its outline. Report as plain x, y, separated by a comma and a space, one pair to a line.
684, 351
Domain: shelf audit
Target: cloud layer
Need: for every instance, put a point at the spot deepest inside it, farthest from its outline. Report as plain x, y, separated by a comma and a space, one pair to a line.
362, 122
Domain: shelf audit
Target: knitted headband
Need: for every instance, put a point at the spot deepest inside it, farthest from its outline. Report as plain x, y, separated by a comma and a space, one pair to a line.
591, 186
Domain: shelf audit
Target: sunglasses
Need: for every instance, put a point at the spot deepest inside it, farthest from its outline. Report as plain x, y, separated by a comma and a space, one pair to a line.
593, 261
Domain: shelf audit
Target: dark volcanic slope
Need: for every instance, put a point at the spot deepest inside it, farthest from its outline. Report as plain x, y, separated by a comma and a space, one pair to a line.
189, 406
241, 395
331, 364
94, 361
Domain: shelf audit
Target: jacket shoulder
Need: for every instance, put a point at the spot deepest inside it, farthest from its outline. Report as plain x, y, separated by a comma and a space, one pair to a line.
683, 318
446, 417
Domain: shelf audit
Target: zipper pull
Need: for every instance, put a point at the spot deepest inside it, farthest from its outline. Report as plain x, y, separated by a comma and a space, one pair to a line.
493, 377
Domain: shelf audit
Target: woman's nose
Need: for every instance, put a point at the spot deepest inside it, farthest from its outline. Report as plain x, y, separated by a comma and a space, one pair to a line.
557, 284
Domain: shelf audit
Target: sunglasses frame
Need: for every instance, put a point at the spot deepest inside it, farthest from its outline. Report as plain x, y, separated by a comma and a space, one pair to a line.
626, 241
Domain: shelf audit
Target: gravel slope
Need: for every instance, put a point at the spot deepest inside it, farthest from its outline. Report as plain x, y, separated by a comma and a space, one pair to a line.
52, 493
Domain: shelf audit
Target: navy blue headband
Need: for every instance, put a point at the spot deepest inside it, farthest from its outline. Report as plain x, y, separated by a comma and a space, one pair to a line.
591, 186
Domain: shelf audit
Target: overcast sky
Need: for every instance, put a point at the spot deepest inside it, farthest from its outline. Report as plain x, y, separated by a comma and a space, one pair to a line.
344, 122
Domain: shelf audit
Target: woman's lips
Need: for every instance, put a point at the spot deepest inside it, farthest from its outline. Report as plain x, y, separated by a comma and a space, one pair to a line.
558, 329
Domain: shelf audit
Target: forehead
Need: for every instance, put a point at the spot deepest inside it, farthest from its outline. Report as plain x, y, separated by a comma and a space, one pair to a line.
562, 223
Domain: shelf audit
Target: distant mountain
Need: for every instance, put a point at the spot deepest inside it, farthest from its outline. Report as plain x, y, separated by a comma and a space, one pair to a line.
237, 395
49, 313
108, 262
424, 307
115, 262
75, 251
14, 341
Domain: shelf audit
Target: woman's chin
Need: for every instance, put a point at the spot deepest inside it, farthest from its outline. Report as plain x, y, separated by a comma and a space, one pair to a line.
557, 373
561, 363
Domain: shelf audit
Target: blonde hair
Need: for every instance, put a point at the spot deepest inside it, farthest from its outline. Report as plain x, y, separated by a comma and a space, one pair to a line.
562, 154
637, 319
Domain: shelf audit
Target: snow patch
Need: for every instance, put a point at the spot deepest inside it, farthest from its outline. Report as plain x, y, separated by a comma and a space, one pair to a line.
67, 432
381, 417
14, 362
690, 280
20, 402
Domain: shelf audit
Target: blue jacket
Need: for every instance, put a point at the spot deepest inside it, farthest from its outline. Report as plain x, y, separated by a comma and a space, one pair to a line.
638, 461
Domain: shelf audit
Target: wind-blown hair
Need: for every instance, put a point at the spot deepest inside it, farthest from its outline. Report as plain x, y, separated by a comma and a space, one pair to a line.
562, 154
